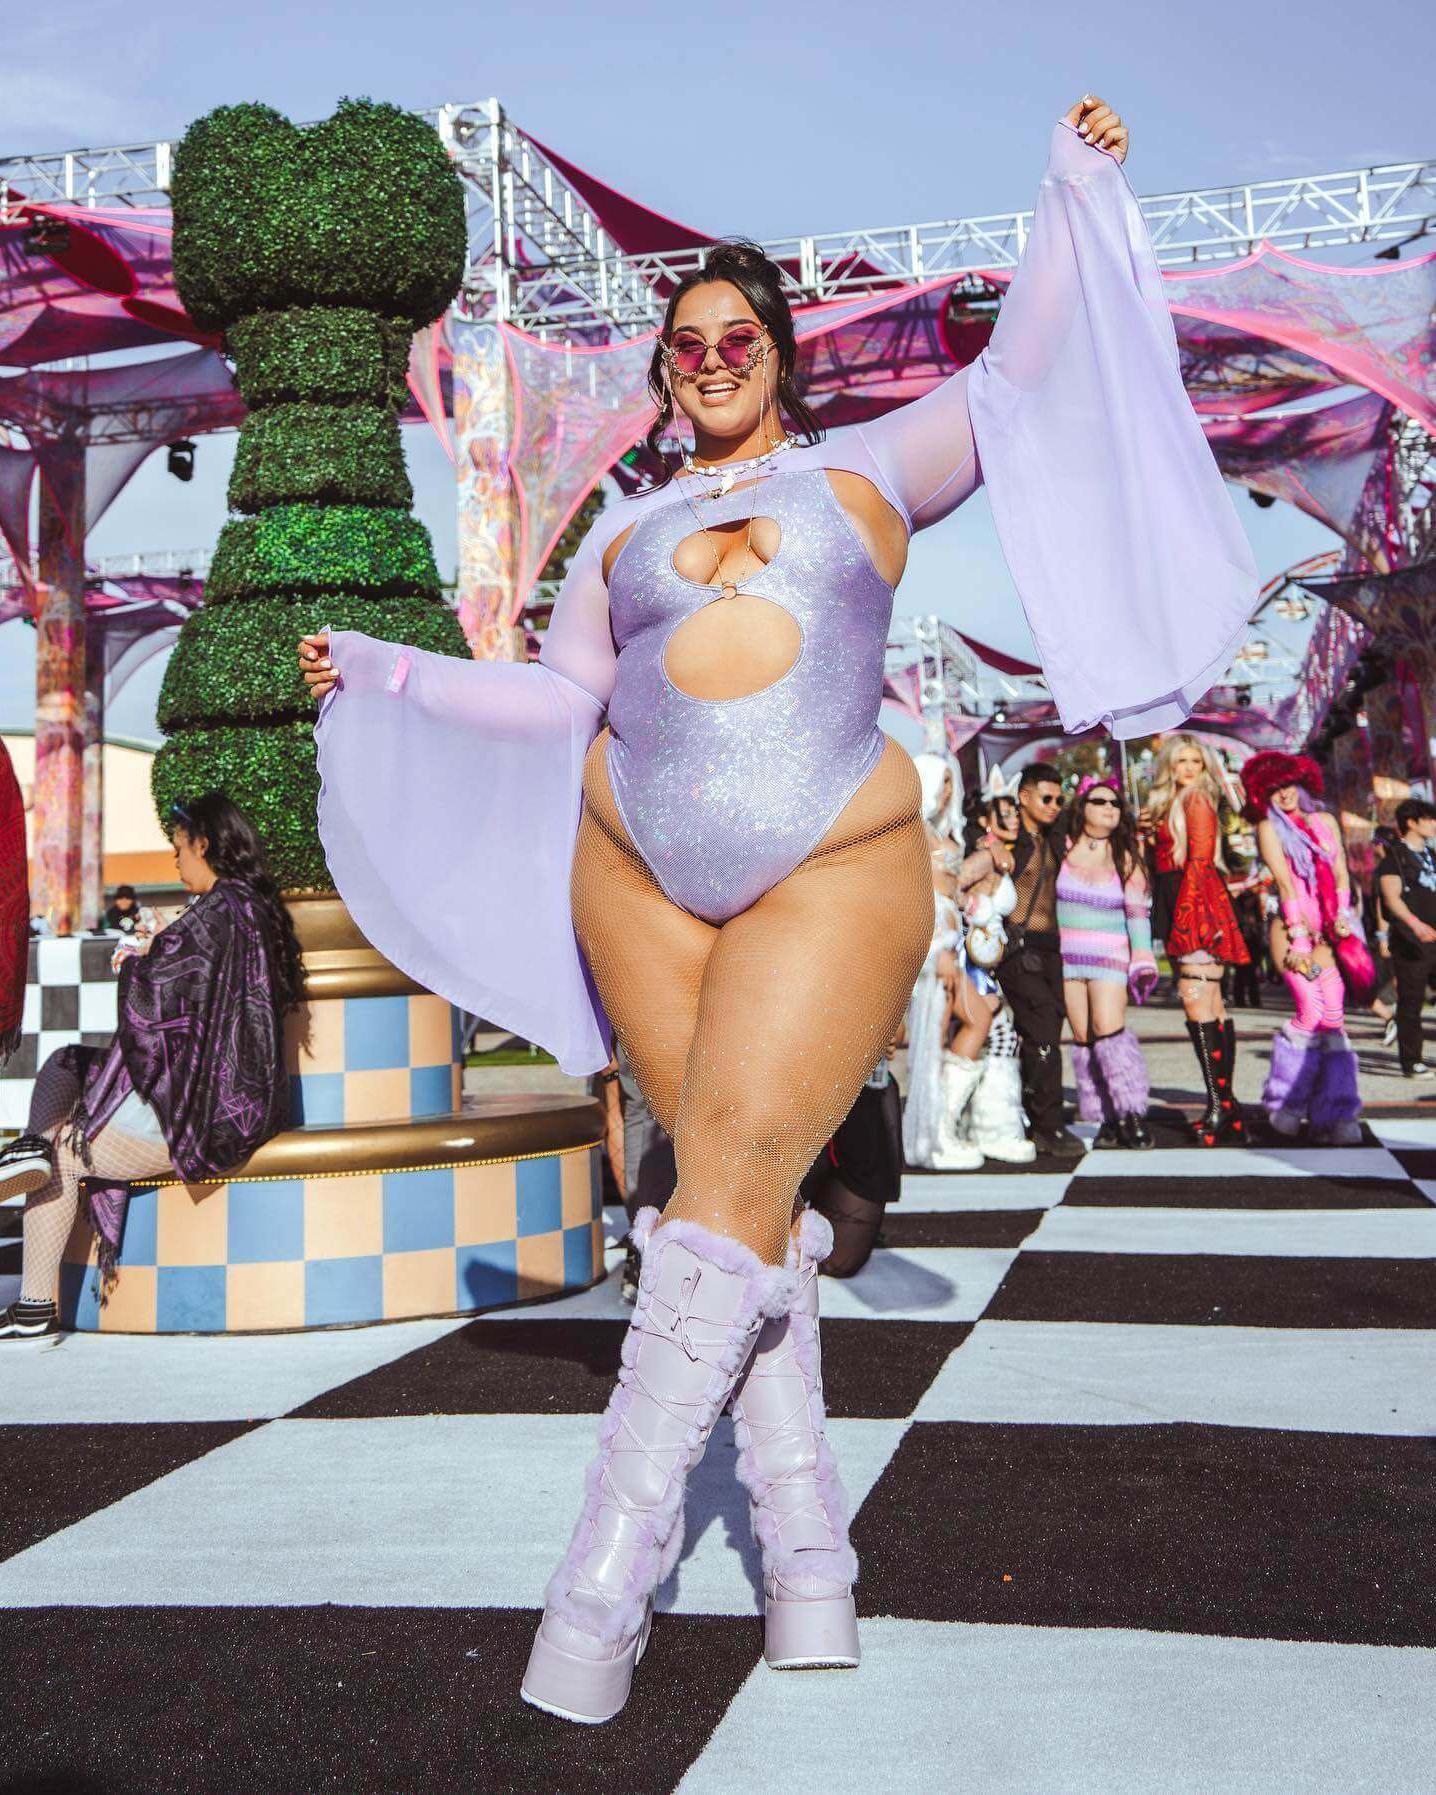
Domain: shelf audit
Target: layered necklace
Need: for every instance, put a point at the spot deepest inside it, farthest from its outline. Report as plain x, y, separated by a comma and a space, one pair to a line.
730, 470
728, 475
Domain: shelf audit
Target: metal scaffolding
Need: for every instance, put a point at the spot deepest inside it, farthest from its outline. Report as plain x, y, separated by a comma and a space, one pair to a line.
539, 257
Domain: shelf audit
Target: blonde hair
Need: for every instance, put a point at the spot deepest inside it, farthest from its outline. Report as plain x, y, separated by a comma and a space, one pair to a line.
1167, 801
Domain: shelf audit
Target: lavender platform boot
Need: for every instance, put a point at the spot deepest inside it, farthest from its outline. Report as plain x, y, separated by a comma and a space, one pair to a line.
1286, 1095
799, 1508
1335, 1113
702, 1299
1091, 1103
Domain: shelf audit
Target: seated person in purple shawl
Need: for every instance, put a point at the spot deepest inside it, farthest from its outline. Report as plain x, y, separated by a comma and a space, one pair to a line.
194, 1078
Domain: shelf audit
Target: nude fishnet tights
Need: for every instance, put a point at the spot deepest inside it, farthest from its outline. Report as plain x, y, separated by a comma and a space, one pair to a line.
751, 1039
50, 1211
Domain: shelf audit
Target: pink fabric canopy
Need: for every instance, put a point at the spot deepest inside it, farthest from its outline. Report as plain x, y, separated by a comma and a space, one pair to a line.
1269, 331
146, 402
111, 287
132, 619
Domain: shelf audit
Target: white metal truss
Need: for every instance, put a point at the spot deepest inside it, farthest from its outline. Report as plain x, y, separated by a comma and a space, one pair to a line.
539, 257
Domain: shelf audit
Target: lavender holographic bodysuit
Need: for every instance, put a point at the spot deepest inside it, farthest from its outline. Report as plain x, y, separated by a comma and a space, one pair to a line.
724, 797
451, 791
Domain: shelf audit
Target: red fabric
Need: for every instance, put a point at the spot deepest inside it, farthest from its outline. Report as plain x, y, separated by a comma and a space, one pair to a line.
14, 906
1204, 920
994, 657
1166, 853
635, 228
1267, 772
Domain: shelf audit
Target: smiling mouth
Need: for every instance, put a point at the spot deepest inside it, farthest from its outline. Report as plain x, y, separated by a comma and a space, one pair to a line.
718, 391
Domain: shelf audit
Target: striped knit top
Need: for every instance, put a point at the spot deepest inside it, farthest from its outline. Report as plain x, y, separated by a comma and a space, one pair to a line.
1106, 928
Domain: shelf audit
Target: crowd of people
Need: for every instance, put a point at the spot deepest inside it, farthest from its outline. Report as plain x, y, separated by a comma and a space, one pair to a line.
1051, 906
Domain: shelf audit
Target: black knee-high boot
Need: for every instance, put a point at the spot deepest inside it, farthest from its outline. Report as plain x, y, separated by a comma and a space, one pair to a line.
1215, 1049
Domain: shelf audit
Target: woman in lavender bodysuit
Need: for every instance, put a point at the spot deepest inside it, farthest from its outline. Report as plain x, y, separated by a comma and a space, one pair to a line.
688, 815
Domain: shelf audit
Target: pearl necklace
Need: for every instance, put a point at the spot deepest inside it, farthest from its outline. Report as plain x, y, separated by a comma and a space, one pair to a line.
728, 473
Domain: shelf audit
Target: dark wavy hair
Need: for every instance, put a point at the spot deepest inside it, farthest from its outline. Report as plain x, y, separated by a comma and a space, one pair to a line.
760, 281
979, 808
1126, 849
233, 851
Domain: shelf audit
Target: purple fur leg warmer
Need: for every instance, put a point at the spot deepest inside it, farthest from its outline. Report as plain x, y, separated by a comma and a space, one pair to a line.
1295, 1060
1123, 1070
1337, 1096
1089, 1098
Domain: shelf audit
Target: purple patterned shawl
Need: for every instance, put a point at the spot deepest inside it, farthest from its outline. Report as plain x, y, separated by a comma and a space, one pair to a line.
200, 1039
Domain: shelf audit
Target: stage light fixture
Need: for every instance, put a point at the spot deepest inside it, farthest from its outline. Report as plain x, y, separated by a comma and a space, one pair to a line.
1262, 500
180, 460
999, 715
1244, 699
46, 236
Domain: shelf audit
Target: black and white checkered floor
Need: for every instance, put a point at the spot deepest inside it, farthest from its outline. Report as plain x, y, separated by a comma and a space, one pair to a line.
1142, 1458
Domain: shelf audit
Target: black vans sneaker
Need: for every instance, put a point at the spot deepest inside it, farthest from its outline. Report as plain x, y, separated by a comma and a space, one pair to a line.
25, 1165
28, 1321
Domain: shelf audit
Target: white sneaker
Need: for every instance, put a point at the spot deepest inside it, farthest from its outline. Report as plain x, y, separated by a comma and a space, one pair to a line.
25, 1165
1419, 1070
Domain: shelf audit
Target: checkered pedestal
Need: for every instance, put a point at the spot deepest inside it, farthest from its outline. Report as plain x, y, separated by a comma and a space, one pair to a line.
69, 997
373, 1059
384, 1200
344, 1248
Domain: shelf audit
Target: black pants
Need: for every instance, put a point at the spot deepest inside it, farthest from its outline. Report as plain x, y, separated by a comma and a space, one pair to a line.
1031, 981
1412, 970
1246, 983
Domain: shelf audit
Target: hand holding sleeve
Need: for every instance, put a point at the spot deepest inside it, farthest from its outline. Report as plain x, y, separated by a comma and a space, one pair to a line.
450, 793
1132, 567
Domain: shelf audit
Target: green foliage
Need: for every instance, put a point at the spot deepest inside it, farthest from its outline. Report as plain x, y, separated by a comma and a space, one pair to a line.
239, 661
269, 773
321, 352
293, 550
1080, 758
319, 252
323, 453
363, 210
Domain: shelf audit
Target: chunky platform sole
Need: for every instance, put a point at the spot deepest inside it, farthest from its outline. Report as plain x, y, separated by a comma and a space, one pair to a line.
23, 1177
1013, 1153
820, 1635
585, 1690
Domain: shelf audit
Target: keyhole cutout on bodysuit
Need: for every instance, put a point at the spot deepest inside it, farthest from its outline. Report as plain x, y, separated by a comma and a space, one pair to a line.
740, 643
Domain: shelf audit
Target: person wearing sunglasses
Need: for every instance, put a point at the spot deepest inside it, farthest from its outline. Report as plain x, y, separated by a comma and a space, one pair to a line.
686, 821
1031, 971
1104, 916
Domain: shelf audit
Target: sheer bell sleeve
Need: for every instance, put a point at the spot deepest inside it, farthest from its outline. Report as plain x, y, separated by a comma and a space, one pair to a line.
450, 793
1133, 569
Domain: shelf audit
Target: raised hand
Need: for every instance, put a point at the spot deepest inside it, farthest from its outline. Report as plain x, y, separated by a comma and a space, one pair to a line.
319, 671
1100, 125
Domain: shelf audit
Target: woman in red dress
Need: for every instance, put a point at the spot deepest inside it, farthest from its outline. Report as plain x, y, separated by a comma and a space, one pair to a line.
1193, 915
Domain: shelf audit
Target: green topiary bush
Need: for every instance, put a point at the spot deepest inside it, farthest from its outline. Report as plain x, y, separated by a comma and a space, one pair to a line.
318, 253
321, 454
239, 663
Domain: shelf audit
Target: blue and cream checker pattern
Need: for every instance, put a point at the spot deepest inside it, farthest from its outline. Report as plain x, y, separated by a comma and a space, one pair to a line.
319, 1252
70, 995
375, 1059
